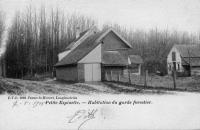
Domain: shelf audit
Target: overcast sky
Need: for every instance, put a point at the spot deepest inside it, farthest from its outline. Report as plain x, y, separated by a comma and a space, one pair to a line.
181, 15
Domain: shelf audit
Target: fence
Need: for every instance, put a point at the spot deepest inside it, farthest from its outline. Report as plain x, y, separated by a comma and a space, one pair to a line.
148, 80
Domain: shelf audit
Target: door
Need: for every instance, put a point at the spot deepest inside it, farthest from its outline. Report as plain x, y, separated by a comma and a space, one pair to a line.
174, 66
92, 72
96, 72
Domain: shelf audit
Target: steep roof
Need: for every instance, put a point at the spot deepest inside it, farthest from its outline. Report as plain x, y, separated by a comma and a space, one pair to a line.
72, 43
88, 45
114, 58
136, 59
81, 50
189, 50
193, 61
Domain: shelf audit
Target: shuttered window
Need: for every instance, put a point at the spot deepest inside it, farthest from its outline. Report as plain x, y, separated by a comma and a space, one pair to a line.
178, 66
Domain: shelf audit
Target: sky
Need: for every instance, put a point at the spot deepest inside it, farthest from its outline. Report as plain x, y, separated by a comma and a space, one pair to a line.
180, 15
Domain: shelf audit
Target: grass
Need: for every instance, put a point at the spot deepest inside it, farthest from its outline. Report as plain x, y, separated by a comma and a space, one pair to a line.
155, 85
161, 82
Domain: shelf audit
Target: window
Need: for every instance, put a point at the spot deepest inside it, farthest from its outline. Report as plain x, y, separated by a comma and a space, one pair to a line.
170, 67
178, 66
173, 56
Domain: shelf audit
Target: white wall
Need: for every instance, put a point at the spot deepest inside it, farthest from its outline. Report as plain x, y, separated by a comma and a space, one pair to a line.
178, 59
93, 57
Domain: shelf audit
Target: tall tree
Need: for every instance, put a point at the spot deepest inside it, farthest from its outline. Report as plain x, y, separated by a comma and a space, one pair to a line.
36, 38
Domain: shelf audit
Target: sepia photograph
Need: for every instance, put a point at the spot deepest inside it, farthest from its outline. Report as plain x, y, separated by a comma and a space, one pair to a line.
99, 64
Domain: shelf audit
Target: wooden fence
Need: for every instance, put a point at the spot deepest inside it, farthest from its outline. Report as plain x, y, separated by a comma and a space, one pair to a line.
148, 80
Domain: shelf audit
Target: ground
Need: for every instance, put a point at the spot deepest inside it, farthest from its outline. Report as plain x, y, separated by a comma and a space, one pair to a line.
52, 86
169, 111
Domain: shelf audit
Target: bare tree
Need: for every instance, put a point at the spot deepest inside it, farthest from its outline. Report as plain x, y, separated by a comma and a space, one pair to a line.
35, 39
2, 25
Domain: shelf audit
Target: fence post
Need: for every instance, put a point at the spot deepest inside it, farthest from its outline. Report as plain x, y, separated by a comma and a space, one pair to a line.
118, 76
129, 76
174, 77
111, 75
145, 78
106, 76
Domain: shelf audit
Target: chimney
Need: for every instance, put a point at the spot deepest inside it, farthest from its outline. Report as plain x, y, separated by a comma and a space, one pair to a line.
77, 32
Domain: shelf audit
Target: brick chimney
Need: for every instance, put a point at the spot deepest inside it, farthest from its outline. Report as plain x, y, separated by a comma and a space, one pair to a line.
77, 32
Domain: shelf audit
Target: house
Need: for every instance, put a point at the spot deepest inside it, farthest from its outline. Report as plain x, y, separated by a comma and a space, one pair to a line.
92, 55
185, 59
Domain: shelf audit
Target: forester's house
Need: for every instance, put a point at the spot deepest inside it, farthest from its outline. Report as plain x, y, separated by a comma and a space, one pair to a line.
185, 59
93, 54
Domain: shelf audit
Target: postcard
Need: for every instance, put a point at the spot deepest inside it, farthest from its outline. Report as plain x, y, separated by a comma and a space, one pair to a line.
99, 64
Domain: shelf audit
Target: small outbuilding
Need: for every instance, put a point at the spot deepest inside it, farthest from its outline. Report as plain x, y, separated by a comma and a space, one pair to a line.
136, 62
93, 54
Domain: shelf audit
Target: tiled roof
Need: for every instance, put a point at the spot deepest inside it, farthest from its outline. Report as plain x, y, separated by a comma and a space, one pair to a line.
114, 58
81, 50
193, 61
189, 50
72, 43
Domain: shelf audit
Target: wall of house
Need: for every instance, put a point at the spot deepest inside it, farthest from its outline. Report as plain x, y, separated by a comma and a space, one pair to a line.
81, 72
91, 60
110, 72
178, 61
112, 42
135, 69
93, 57
68, 73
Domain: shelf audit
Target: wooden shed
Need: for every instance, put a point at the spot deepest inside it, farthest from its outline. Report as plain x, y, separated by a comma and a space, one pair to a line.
93, 54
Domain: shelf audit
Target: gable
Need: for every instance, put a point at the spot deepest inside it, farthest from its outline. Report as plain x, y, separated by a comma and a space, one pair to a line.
178, 56
81, 50
112, 42
93, 57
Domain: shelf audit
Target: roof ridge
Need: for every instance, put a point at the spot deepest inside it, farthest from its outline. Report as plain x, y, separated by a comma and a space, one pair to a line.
80, 39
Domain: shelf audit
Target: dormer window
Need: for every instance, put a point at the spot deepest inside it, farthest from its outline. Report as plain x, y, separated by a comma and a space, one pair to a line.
173, 56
